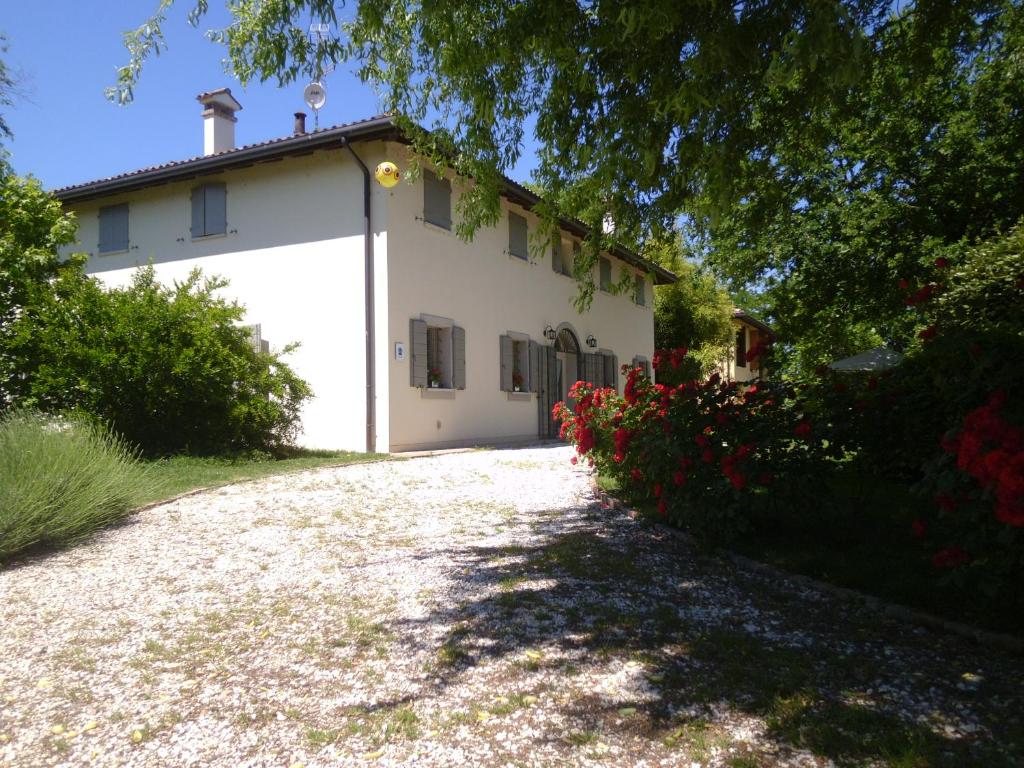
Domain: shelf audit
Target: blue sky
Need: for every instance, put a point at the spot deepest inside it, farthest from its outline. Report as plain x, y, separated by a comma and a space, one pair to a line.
65, 52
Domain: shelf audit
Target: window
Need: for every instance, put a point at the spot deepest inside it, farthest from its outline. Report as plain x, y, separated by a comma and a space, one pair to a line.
113, 228
741, 348
209, 210
605, 266
639, 296
437, 200
643, 364
601, 369
561, 262
517, 236
437, 354
519, 359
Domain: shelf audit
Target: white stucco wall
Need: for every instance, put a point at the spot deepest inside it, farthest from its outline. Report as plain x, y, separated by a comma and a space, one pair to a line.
294, 257
488, 293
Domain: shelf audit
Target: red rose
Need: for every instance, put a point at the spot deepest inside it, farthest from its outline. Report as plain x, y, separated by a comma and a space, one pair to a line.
636, 474
917, 529
661, 508
942, 262
950, 557
803, 429
678, 478
572, 460
657, 490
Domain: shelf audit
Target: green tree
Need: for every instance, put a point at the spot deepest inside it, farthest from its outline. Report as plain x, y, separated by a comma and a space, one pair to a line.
695, 312
169, 368
922, 161
7, 86
637, 106
32, 228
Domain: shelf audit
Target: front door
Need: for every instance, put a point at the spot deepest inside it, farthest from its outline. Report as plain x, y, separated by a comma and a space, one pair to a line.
559, 372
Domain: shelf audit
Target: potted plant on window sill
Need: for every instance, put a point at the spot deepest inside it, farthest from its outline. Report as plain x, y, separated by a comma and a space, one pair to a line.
434, 378
517, 382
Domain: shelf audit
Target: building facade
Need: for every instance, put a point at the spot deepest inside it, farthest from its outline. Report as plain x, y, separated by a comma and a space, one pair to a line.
410, 337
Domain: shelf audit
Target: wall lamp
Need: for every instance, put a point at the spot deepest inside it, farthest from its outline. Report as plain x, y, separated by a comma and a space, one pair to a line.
591, 341
549, 332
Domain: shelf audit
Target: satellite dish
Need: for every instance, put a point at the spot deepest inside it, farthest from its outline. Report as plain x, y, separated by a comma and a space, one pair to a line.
314, 95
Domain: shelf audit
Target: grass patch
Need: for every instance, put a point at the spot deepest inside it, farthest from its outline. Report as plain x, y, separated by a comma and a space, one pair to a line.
180, 474
63, 479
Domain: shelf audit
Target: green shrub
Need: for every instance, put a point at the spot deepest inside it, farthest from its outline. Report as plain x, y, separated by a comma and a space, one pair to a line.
63, 478
709, 453
170, 369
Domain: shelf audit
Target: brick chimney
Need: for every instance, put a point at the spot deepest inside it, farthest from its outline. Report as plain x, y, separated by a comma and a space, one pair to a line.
219, 120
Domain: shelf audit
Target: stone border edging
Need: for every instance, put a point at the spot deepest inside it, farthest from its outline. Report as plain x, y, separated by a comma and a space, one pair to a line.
998, 640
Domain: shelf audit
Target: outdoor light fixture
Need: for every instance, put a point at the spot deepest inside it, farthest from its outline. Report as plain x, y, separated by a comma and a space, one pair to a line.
591, 341
549, 332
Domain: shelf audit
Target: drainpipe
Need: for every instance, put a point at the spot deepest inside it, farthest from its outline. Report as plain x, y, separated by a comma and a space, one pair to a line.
371, 381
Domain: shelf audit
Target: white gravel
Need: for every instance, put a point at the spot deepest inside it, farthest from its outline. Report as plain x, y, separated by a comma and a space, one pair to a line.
474, 608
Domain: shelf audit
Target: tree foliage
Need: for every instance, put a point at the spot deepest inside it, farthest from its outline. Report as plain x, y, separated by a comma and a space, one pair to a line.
7, 86
637, 106
695, 312
921, 161
169, 368
32, 227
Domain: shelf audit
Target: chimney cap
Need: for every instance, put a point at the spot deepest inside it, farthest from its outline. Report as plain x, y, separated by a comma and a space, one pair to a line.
220, 97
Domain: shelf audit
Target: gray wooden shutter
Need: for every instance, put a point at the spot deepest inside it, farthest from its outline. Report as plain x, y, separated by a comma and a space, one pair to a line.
587, 374
437, 200
611, 371
533, 375
198, 211
606, 274
505, 358
417, 353
458, 357
518, 244
113, 228
549, 427
556, 256
215, 209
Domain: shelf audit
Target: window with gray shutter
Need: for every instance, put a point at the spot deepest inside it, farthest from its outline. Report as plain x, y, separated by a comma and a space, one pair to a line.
611, 370
605, 274
458, 357
518, 244
209, 210
437, 200
417, 353
535, 374
113, 228
639, 294
507, 365
556, 256
643, 364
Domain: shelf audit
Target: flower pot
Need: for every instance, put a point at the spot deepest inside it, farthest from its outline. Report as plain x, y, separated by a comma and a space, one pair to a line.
516, 388
435, 384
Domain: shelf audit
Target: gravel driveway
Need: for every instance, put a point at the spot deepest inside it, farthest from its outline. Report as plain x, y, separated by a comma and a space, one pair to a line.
470, 609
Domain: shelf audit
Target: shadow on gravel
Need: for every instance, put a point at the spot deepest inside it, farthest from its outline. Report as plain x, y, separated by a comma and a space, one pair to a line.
714, 645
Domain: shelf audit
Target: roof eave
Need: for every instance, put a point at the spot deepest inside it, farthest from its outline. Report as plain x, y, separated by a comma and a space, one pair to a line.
378, 128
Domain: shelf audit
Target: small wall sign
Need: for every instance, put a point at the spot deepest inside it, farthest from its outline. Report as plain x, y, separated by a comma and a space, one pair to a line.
399, 351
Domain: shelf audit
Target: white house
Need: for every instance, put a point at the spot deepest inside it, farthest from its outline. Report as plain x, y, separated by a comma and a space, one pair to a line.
410, 337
